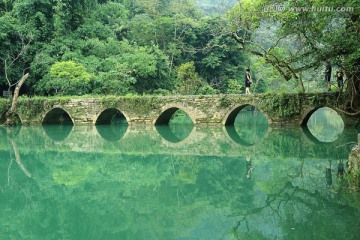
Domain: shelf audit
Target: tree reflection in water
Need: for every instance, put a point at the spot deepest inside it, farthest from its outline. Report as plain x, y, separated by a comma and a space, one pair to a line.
145, 188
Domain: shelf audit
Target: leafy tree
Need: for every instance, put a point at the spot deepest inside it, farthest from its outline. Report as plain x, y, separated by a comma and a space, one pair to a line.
234, 87
67, 78
190, 82
315, 36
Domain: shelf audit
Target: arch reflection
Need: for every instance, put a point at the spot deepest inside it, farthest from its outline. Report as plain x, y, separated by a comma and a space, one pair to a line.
57, 133
174, 132
323, 125
250, 126
57, 116
174, 125
112, 133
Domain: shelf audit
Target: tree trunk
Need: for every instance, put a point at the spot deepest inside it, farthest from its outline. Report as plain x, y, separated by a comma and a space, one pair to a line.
353, 89
18, 158
10, 113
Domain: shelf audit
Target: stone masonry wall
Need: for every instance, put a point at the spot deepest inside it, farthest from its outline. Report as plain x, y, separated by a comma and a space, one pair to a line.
280, 109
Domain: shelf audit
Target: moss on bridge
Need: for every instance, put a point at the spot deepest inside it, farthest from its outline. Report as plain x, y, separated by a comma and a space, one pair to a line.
279, 108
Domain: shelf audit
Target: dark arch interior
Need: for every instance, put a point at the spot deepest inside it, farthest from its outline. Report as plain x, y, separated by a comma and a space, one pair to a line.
111, 116
57, 116
307, 117
246, 125
165, 117
16, 117
174, 115
232, 116
2, 119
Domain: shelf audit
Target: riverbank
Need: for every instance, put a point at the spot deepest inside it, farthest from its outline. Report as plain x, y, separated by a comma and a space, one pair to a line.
354, 166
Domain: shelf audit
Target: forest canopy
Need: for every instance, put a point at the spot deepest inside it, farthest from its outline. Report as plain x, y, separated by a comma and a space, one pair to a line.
130, 47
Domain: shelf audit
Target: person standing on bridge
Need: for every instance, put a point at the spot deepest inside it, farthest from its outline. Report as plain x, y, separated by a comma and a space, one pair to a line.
340, 78
248, 81
328, 75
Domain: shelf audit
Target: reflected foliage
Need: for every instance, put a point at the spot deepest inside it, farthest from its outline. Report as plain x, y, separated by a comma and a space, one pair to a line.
142, 187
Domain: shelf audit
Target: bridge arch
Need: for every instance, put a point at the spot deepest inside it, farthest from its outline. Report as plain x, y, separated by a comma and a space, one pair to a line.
326, 127
230, 117
17, 117
107, 116
165, 116
58, 116
309, 112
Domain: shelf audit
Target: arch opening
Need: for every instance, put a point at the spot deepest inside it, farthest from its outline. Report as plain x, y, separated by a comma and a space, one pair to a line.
57, 116
174, 125
246, 125
323, 125
111, 116
2, 119
174, 115
17, 120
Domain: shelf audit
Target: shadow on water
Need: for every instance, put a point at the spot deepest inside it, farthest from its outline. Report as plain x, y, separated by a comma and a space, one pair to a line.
324, 126
58, 133
250, 127
112, 133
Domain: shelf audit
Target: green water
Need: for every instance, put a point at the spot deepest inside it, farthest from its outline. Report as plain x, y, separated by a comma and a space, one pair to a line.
249, 181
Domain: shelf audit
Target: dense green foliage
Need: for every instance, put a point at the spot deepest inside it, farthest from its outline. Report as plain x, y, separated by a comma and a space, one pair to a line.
113, 47
164, 47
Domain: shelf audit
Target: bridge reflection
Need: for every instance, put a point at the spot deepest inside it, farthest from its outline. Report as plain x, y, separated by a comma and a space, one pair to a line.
212, 141
174, 133
112, 133
58, 133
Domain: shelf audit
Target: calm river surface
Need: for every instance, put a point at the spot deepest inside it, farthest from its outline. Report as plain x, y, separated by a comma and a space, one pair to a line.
181, 182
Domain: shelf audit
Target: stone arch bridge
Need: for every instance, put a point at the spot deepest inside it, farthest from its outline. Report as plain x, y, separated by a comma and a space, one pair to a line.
279, 109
